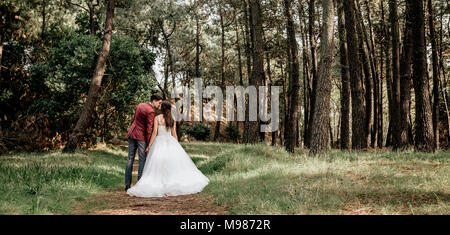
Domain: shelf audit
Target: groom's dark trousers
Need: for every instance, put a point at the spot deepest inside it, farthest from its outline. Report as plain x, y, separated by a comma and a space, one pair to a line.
134, 145
139, 136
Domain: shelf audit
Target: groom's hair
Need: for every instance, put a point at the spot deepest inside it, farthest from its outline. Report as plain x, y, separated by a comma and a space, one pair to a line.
156, 97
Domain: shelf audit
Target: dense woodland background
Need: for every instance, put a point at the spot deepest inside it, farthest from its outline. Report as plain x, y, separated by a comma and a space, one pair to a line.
354, 74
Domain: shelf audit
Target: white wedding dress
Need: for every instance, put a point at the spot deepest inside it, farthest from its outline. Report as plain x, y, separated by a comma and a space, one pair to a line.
168, 170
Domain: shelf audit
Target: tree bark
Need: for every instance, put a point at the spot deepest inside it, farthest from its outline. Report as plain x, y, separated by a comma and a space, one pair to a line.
321, 116
197, 46
257, 75
248, 54
312, 43
406, 82
365, 59
238, 49
85, 117
375, 76
395, 39
359, 140
222, 69
306, 72
434, 56
387, 51
345, 80
424, 139
294, 83
91, 8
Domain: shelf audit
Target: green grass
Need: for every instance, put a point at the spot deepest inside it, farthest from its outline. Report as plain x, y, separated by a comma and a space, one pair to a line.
53, 182
253, 179
259, 179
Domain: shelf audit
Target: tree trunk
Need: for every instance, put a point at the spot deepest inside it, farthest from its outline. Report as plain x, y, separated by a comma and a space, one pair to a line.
359, 142
197, 48
222, 70
375, 76
380, 134
345, 80
238, 49
306, 72
44, 19
433, 39
91, 16
166, 37
388, 76
257, 75
393, 18
321, 115
365, 59
85, 117
406, 82
424, 139
248, 50
294, 83
312, 43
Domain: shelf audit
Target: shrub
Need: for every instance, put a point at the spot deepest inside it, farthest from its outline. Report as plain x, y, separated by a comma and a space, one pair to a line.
198, 130
232, 132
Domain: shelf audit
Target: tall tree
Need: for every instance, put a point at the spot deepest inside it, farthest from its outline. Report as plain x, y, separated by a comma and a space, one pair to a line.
170, 62
294, 83
197, 41
88, 109
395, 39
222, 67
345, 80
257, 74
406, 82
306, 71
312, 43
366, 65
359, 140
374, 68
91, 7
434, 57
387, 51
424, 139
248, 54
321, 115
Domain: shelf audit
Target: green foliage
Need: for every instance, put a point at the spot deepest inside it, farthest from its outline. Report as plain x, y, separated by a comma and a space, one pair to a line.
199, 131
232, 132
84, 27
63, 81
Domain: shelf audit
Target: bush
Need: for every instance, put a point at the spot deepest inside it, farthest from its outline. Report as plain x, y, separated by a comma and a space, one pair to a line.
198, 130
62, 82
232, 132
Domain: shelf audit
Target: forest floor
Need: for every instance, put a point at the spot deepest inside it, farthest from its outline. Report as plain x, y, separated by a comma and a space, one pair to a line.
244, 179
115, 201
120, 203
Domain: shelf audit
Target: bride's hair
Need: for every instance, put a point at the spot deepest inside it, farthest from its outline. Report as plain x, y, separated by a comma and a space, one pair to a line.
166, 109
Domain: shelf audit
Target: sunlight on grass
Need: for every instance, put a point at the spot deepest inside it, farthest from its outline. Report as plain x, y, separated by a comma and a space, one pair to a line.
50, 183
247, 179
259, 179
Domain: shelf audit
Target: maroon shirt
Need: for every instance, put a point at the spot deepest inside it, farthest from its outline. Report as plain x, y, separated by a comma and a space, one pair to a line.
142, 126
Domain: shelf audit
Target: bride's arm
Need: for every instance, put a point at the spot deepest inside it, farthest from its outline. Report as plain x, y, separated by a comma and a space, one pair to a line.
174, 130
155, 131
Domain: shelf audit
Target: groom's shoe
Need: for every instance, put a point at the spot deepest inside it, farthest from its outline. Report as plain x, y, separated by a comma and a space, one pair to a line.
127, 187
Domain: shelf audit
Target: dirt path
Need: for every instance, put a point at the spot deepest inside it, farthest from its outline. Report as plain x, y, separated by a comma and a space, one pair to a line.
195, 204
118, 202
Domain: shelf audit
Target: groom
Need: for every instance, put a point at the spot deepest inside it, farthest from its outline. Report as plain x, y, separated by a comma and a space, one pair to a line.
139, 135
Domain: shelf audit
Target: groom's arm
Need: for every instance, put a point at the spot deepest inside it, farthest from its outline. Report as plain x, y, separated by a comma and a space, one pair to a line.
150, 119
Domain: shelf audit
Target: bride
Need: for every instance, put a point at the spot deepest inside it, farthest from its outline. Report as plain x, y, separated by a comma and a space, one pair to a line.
168, 171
